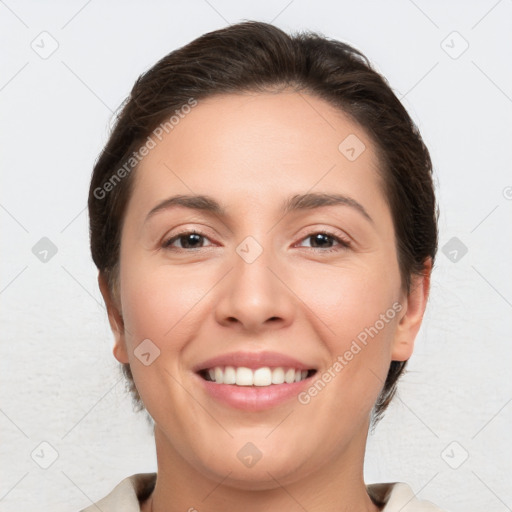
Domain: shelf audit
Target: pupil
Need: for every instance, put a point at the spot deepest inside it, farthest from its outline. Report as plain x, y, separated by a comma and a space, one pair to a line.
187, 238
319, 237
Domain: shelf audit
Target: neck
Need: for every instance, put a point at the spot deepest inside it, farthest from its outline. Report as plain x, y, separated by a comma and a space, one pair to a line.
336, 486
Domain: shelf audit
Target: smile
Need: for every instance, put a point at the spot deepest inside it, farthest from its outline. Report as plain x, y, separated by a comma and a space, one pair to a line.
254, 381
264, 376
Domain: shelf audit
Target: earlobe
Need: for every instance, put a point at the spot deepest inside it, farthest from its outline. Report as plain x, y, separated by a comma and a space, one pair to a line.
115, 320
410, 322
120, 352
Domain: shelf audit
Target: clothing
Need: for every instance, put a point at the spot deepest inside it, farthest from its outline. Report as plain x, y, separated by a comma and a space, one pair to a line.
130, 492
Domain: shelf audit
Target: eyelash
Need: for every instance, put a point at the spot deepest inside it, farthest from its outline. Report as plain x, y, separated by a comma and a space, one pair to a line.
344, 243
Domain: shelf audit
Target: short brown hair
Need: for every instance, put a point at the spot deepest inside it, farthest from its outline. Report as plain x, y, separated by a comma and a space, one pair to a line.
258, 57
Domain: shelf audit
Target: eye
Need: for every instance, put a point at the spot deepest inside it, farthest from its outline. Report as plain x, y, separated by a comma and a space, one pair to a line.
188, 240
323, 237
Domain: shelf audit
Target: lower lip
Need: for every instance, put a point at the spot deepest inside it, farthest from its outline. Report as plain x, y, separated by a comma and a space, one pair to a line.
253, 398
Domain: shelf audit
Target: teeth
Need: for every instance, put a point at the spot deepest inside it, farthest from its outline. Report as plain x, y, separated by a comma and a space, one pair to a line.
289, 376
278, 376
229, 375
265, 376
244, 376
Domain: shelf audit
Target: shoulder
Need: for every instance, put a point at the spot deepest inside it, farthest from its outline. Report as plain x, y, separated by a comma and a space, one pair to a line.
126, 496
398, 496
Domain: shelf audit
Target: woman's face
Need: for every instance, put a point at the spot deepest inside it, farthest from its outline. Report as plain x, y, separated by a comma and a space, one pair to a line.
261, 287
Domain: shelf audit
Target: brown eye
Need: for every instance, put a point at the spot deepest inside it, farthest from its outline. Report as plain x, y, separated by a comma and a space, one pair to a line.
187, 239
324, 239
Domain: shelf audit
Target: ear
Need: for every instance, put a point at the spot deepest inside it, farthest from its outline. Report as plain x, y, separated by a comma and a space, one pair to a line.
410, 322
115, 319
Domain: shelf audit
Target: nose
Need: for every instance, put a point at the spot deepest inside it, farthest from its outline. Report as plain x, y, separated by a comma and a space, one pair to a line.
254, 295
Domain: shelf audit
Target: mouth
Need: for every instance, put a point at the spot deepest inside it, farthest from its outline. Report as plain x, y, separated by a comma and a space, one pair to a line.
254, 381
257, 377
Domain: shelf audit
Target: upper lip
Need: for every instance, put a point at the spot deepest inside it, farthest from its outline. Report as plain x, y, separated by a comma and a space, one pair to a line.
253, 360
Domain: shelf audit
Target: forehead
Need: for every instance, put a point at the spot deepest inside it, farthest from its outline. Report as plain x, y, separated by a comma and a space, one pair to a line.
259, 147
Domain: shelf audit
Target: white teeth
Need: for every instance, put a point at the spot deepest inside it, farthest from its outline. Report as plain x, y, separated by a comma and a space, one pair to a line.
244, 376
262, 377
265, 376
289, 376
229, 375
277, 376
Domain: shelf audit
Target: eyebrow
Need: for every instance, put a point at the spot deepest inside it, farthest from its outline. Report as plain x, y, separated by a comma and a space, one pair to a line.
294, 203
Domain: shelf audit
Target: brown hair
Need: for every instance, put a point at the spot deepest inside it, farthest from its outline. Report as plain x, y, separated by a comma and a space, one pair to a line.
258, 57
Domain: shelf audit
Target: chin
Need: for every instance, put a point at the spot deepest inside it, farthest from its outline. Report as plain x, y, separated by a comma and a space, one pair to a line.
262, 472
258, 478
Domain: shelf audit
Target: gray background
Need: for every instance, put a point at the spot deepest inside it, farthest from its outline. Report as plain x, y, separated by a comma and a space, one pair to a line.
447, 433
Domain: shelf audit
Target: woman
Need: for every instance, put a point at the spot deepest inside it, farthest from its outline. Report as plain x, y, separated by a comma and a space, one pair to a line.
264, 224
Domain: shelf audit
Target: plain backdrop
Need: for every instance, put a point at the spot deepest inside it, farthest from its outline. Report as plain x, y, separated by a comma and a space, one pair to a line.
68, 432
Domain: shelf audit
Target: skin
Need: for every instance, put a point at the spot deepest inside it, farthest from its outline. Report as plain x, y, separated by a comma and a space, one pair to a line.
251, 152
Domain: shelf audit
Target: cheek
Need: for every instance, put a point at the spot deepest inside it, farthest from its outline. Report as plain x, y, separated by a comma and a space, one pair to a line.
357, 313
355, 320
160, 303
348, 300
157, 302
